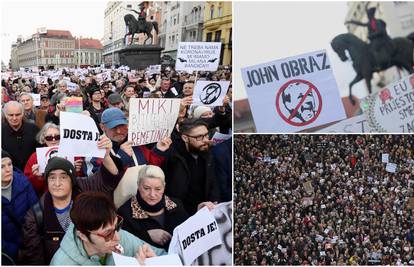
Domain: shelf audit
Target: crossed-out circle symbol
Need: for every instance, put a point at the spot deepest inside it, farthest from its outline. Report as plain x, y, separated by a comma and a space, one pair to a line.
210, 93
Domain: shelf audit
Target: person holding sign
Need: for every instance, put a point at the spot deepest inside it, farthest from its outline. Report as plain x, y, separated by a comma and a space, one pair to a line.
150, 214
45, 226
95, 234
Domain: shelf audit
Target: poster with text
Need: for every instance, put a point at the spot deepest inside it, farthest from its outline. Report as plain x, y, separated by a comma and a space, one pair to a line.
195, 56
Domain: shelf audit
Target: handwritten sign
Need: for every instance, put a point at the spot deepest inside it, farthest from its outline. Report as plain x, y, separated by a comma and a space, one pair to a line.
357, 124
210, 93
195, 56
391, 167
151, 119
79, 136
385, 157
154, 69
392, 109
293, 94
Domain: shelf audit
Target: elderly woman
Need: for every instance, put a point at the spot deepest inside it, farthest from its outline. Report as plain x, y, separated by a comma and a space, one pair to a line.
48, 136
150, 214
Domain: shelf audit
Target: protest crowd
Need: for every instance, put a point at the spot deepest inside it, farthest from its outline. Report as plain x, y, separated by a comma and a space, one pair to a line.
324, 200
49, 212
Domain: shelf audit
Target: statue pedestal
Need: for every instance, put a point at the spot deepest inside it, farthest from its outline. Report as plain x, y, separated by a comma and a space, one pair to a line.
139, 57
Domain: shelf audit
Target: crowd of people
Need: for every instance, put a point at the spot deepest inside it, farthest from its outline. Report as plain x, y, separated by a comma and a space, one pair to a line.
76, 213
324, 200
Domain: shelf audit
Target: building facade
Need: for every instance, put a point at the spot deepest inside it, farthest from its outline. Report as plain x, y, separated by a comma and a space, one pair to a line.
171, 26
115, 28
192, 30
88, 52
218, 28
46, 49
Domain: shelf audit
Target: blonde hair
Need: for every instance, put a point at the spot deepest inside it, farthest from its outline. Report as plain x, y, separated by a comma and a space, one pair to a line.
151, 171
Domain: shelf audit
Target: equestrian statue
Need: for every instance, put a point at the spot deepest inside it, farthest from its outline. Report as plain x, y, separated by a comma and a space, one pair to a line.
379, 54
140, 25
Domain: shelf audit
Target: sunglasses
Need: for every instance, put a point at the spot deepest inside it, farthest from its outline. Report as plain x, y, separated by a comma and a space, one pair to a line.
110, 234
52, 138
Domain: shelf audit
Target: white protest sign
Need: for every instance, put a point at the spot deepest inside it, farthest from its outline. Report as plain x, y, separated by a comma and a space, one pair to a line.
44, 154
198, 234
357, 124
67, 79
41, 80
55, 76
385, 158
391, 167
121, 260
151, 119
79, 136
71, 86
293, 94
172, 259
219, 138
36, 99
392, 109
194, 56
104, 76
154, 69
210, 93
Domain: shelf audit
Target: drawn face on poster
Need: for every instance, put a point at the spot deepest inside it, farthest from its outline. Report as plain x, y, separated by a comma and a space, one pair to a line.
292, 97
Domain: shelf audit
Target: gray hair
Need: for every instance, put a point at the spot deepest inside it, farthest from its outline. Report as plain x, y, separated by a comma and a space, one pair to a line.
13, 103
151, 171
40, 137
62, 82
26, 94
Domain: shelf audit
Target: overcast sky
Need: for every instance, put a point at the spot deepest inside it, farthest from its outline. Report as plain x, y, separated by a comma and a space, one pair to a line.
81, 18
266, 31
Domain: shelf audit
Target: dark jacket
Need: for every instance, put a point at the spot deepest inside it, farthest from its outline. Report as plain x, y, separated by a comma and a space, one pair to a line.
181, 177
222, 164
41, 241
21, 143
13, 213
174, 215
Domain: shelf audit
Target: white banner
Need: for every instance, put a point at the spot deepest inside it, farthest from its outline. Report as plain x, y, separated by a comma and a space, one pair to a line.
391, 109
194, 56
293, 94
154, 69
36, 99
165, 260
198, 234
79, 136
357, 124
391, 167
71, 86
41, 80
210, 93
151, 119
44, 154
385, 158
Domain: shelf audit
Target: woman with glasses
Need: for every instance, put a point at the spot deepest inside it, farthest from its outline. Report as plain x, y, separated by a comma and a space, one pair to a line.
46, 225
150, 214
48, 136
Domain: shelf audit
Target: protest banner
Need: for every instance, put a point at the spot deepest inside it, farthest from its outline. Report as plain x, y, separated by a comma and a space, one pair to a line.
79, 136
411, 203
219, 138
195, 236
391, 167
171, 259
74, 104
36, 99
293, 94
385, 158
44, 154
71, 86
210, 93
151, 119
154, 69
195, 56
308, 187
391, 110
41, 80
121, 260
357, 124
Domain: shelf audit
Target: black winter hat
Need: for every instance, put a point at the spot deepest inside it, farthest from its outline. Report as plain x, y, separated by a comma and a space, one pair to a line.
5, 154
57, 163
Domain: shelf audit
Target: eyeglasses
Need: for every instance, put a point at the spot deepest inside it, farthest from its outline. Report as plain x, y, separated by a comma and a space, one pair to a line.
199, 137
110, 233
52, 137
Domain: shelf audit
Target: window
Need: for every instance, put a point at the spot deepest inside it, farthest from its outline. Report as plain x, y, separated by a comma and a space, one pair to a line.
211, 12
209, 37
220, 11
218, 36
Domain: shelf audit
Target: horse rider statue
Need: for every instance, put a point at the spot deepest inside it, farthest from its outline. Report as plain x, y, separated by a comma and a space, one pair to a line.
140, 25
142, 16
380, 42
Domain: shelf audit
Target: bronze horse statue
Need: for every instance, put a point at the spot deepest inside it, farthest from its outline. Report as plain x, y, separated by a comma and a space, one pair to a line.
364, 61
135, 26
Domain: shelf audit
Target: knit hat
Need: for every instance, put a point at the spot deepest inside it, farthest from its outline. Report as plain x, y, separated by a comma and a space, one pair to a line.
114, 98
5, 154
57, 163
198, 111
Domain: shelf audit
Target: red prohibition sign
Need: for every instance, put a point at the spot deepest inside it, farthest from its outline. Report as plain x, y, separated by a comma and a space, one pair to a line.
289, 119
50, 151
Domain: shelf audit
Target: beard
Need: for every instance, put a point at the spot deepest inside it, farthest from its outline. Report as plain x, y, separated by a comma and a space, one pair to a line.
197, 150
